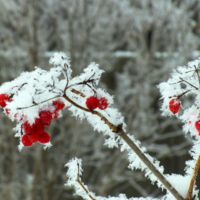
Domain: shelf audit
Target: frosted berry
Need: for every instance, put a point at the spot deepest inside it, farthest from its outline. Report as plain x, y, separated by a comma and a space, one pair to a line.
103, 103
197, 125
34, 137
3, 99
58, 104
45, 116
26, 141
44, 137
92, 102
174, 105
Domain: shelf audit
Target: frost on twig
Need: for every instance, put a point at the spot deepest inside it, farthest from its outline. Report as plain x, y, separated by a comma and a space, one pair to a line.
74, 180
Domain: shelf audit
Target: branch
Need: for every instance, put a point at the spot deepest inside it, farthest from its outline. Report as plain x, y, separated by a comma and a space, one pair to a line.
148, 163
133, 146
197, 72
196, 170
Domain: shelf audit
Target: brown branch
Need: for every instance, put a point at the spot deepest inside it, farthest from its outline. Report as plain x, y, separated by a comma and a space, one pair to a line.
196, 170
134, 147
180, 95
189, 83
81, 184
149, 165
78, 92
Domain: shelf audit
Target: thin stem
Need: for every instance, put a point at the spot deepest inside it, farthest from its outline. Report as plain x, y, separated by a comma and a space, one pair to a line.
196, 70
189, 83
20, 108
78, 92
67, 79
180, 95
134, 147
81, 83
196, 170
82, 185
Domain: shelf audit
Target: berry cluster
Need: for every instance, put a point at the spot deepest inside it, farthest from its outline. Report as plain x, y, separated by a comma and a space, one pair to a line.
35, 132
94, 102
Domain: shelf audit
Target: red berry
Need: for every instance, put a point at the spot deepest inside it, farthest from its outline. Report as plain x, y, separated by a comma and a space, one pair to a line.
46, 123
103, 103
45, 116
92, 102
59, 104
33, 137
174, 105
44, 137
27, 127
38, 126
3, 99
197, 125
26, 141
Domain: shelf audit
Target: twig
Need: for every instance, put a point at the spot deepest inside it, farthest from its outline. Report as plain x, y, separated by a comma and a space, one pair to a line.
196, 70
20, 108
81, 184
78, 92
180, 95
86, 82
196, 170
189, 83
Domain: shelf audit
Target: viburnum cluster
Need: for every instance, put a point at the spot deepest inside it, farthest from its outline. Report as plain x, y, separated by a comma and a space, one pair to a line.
184, 82
34, 132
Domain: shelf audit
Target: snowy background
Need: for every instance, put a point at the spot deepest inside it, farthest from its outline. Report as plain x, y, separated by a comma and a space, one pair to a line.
138, 43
